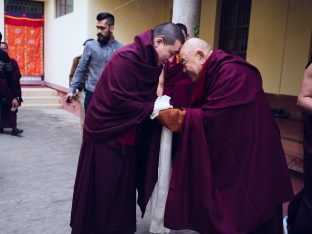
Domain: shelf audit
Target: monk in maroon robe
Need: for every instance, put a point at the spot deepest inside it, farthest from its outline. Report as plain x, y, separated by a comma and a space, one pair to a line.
229, 173
8, 91
8, 116
105, 188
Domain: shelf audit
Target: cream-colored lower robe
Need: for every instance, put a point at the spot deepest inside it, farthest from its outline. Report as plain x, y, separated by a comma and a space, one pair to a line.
159, 196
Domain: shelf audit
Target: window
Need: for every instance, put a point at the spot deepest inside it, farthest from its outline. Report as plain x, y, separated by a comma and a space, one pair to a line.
234, 29
28, 7
63, 7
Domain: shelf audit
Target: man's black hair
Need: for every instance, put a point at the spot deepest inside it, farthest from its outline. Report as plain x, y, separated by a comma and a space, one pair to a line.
182, 27
110, 19
0, 36
169, 32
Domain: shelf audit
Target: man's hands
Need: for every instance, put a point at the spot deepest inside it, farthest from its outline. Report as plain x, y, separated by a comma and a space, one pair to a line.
70, 97
172, 119
161, 103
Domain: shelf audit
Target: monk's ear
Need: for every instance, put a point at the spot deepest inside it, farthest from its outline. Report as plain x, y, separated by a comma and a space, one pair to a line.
111, 28
201, 56
158, 41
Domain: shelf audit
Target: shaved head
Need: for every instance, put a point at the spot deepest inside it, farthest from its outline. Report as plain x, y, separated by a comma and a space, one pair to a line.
193, 55
195, 44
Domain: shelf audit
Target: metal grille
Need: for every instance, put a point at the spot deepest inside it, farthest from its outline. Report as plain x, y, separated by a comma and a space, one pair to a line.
22, 6
235, 15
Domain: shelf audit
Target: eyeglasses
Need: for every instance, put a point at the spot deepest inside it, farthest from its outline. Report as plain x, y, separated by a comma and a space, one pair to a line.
100, 27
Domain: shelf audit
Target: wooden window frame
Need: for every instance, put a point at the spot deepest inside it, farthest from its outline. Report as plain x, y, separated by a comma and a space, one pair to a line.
61, 7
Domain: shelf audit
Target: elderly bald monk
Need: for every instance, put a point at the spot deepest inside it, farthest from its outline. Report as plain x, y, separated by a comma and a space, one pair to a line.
229, 173
104, 199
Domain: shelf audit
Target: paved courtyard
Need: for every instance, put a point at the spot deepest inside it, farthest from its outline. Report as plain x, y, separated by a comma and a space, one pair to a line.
37, 172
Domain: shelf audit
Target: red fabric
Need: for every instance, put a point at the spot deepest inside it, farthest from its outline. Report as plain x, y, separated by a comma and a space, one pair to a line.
24, 36
23, 21
229, 174
129, 137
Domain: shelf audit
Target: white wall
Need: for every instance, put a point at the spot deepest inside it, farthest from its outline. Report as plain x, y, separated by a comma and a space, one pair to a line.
2, 17
63, 39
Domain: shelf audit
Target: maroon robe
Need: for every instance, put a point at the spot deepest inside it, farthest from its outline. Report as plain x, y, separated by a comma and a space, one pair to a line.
9, 117
229, 174
104, 193
178, 85
7, 87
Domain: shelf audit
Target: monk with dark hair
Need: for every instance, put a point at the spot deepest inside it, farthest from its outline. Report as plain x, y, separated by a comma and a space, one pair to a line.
229, 173
104, 198
9, 118
8, 91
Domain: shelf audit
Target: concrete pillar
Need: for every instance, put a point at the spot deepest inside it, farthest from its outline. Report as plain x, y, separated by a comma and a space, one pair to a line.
186, 12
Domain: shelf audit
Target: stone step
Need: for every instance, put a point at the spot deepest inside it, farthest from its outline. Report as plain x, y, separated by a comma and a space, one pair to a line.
35, 92
50, 106
40, 97
48, 100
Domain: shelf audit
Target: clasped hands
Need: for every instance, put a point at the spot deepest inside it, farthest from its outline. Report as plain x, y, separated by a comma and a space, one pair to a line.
171, 118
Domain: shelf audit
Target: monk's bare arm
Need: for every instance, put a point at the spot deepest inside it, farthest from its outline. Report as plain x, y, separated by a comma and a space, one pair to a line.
160, 87
305, 95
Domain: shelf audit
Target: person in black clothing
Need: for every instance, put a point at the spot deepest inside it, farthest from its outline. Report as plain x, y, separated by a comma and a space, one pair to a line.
300, 209
8, 92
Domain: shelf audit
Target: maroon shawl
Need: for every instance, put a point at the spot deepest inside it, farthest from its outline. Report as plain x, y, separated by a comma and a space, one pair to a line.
230, 173
178, 85
126, 91
16, 74
122, 100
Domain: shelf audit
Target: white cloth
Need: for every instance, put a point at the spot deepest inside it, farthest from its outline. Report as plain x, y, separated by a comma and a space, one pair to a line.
161, 103
159, 196
81, 98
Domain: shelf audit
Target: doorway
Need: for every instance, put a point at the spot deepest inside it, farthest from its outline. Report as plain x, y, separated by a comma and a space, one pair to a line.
24, 27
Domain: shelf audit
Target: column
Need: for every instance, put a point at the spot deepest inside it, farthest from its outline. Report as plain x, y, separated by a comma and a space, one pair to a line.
186, 12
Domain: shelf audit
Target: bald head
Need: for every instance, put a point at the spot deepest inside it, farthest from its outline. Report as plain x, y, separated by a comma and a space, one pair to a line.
193, 54
195, 44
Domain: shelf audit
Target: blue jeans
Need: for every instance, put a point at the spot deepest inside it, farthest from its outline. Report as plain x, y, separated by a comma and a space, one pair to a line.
87, 100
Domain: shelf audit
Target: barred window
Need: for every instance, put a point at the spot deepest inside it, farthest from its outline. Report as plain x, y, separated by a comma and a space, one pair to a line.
28, 7
234, 27
63, 7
